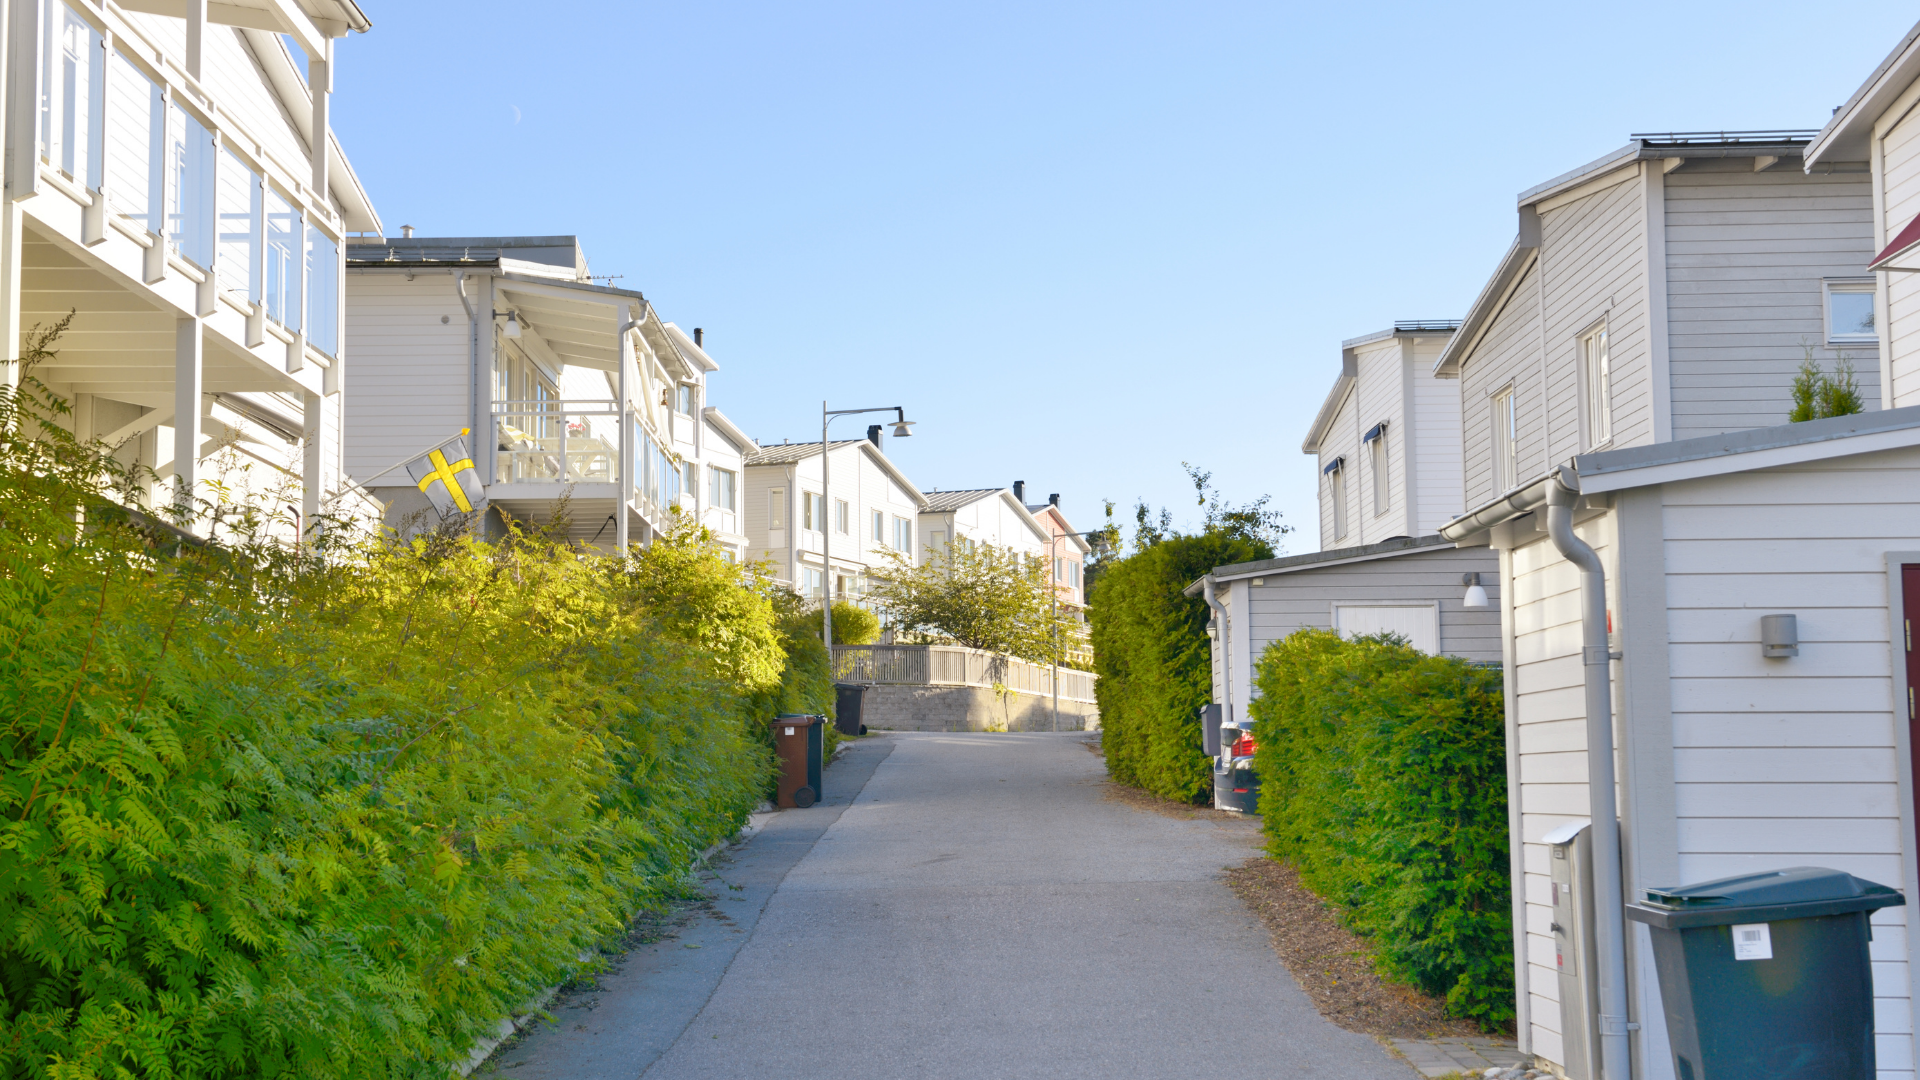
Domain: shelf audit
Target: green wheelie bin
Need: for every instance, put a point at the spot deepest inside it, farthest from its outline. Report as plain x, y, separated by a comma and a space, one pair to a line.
1765, 976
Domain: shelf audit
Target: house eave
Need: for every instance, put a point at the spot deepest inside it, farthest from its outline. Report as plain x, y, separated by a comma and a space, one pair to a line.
1744, 451
1848, 134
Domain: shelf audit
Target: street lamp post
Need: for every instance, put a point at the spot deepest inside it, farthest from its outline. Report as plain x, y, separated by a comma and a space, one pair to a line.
902, 427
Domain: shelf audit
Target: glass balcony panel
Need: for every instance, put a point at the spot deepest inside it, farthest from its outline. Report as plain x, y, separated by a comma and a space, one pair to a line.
239, 226
191, 155
284, 262
323, 292
132, 102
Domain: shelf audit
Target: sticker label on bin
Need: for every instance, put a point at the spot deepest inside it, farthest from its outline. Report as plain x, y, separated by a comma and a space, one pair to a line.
789, 731
1752, 941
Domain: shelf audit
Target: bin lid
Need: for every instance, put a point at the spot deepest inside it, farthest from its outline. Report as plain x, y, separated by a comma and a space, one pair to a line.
797, 719
1802, 892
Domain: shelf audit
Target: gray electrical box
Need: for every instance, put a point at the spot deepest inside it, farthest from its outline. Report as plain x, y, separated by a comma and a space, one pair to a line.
1570, 858
1210, 717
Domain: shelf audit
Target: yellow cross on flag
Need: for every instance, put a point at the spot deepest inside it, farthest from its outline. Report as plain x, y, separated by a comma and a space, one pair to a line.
447, 476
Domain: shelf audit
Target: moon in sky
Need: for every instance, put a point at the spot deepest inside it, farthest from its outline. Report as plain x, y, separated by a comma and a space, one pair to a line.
516, 113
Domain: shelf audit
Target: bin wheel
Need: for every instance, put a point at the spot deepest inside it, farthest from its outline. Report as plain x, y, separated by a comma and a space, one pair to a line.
804, 797
863, 729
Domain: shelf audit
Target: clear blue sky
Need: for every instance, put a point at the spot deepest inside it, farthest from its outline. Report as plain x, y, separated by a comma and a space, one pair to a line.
1081, 243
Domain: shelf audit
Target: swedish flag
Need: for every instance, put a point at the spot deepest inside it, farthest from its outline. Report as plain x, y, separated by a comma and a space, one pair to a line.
447, 476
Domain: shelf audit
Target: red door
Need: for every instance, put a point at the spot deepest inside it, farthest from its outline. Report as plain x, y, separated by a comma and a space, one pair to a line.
1910, 603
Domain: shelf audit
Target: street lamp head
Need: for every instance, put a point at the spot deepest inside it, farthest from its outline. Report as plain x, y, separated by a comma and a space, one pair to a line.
900, 428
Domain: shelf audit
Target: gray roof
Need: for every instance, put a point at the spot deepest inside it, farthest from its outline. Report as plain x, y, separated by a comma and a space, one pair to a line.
788, 453
559, 251
943, 502
1400, 545
1732, 443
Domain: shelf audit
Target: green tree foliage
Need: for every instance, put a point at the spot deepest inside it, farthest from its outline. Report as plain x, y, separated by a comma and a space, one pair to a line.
854, 625
1383, 777
333, 813
1150, 645
1818, 395
975, 595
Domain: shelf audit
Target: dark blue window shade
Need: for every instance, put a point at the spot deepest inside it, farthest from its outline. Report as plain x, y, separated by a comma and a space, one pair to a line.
1333, 468
1375, 432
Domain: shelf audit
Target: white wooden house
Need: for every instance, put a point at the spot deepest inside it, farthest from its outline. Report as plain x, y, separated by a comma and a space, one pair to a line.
579, 395
1877, 133
870, 509
1386, 444
996, 517
1646, 325
172, 180
1668, 290
1387, 438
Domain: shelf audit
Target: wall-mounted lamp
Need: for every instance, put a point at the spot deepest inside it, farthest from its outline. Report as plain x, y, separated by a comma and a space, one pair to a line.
512, 329
1476, 593
1779, 636
1213, 628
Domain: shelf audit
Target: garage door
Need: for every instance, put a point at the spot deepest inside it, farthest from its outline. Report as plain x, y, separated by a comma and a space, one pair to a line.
1418, 623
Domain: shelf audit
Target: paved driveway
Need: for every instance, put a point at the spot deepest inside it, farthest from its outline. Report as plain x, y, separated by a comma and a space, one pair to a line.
961, 906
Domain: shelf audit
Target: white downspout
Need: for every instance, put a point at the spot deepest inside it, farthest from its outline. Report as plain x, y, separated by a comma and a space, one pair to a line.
484, 437
1610, 920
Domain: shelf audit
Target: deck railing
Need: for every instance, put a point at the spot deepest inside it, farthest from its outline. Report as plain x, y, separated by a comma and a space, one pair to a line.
951, 665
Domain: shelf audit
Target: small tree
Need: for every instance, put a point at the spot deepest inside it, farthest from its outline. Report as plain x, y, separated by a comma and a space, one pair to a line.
978, 596
853, 625
1818, 395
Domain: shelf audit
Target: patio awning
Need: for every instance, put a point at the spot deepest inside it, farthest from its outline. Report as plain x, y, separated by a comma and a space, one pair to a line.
1901, 247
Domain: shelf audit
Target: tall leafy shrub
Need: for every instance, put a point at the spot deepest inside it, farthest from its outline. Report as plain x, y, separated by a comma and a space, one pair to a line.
1383, 777
1151, 651
285, 813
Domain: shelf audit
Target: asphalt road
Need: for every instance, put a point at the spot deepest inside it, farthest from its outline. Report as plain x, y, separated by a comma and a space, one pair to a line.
960, 906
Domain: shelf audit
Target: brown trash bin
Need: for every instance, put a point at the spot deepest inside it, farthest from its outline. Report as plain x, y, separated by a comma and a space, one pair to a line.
797, 746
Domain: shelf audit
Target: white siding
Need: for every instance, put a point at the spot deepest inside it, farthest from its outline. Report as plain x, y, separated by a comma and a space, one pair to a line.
1342, 441
412, 381
1436, 423
1901, 193
1377, 399
1746, 254
1593, 268
1792, 762
1507, 355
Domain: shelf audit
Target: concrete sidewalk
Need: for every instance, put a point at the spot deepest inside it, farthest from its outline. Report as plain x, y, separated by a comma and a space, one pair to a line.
978, 911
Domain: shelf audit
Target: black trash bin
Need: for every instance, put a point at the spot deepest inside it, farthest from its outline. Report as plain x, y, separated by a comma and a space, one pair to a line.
847, 698
1765, 976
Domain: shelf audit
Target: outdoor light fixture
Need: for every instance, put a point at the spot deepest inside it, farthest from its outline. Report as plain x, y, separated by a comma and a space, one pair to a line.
1779, 636
1213, 628
1476, 594
900, 428
512, 328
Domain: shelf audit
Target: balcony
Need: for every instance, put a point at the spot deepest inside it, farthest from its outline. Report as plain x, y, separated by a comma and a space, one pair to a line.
552, 449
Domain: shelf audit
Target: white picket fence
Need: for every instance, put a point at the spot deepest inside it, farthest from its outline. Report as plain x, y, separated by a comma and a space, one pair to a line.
951, 665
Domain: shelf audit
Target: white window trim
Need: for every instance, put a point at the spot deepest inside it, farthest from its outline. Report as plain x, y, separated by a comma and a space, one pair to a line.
1592, 406
1829, 286
1336, 475
1506, 447
1380, 467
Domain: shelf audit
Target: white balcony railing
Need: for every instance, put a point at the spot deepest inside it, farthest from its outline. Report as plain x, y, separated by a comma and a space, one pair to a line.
184, 177
577, 441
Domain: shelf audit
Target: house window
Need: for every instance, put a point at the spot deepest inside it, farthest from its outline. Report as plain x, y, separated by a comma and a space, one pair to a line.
777, 509
1506, 438
814, 582
1598, 367
842, 517
1073, 574
1336, 475
683, 401
879, 527
1850, 313
1376, 441
902, 534
720, 487
813, 512
1059, 568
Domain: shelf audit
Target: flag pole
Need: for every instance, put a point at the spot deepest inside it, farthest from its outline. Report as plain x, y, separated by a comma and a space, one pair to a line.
409, 459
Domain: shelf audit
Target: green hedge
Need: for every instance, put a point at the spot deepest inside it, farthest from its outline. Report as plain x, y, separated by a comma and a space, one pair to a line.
1151, 651
268, 814
1383, 778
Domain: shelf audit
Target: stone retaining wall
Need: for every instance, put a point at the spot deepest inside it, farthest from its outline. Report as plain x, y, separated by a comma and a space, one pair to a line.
896, 707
